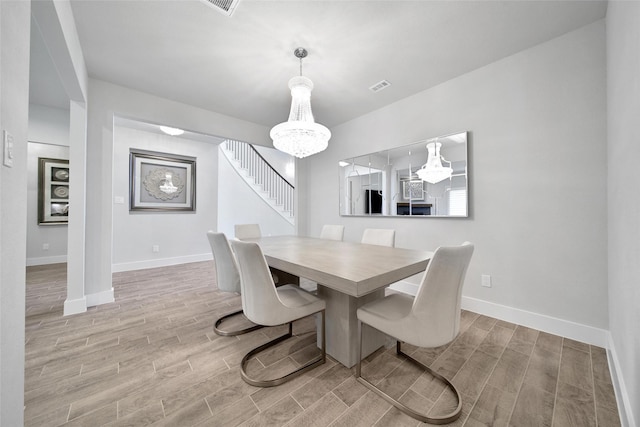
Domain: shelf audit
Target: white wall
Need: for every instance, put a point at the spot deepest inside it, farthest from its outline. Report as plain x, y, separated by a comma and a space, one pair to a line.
623, 92
107, 100
14, 107
537, 179
48, 125
239, 204
56, 26
181, 236
48, 137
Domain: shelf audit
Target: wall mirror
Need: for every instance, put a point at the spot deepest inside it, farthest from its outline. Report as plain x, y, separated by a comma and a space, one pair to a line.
424, 179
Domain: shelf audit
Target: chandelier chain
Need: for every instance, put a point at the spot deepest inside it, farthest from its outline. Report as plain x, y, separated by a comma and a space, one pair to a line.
300, 53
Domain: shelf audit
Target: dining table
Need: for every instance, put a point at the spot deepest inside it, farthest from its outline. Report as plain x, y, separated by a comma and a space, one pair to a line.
348, 275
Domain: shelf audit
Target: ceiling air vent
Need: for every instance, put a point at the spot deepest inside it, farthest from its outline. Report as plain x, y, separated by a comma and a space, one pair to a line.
223, 6
379, 86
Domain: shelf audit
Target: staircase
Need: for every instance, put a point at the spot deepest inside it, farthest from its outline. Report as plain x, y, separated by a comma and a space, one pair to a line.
272, 187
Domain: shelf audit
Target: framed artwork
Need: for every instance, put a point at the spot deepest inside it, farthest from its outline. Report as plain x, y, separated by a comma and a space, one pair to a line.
53, 191
161, 182
413, 189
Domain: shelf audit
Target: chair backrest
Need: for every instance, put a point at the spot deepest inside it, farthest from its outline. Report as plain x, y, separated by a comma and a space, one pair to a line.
227, 274
437, 302
332, 232
247, 231
260, 301
379, 236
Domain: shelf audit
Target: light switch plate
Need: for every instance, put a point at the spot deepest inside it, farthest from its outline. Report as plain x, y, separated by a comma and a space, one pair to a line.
7, 144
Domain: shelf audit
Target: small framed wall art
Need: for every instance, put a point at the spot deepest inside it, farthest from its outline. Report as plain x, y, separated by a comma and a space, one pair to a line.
53, 191
161, 182
413, 189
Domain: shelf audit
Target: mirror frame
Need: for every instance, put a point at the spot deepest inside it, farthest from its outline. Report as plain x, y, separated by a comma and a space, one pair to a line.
387, 187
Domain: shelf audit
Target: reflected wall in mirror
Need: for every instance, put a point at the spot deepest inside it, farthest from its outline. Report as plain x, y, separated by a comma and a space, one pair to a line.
424, 179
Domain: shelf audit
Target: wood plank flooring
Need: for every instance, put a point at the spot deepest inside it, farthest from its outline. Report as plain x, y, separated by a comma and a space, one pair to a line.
151, 358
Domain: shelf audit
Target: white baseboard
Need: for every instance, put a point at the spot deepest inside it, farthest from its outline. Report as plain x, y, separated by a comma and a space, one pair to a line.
103, 297
541, 322
46, 260
75, 306
161, 262
622, 397
553, 325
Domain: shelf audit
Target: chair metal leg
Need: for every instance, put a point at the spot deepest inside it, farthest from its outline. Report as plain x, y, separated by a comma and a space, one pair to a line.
319, 360
445, 419
223, 333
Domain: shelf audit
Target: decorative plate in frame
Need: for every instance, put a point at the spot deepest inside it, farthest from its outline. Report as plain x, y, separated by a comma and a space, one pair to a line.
53, 191
413, 189
161, 181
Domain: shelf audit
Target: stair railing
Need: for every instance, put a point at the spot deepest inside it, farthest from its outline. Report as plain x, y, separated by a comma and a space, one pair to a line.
264, 175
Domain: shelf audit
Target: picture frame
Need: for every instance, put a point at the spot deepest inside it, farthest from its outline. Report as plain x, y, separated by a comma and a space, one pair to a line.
53, 191
161, 182
413, 189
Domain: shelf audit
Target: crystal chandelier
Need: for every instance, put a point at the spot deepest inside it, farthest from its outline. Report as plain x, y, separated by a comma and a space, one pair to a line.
300, 136
433, 171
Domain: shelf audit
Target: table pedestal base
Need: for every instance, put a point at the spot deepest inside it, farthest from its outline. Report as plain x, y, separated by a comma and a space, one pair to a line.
342, 326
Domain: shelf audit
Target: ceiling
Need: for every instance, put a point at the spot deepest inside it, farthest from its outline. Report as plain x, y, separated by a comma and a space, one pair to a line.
240, 65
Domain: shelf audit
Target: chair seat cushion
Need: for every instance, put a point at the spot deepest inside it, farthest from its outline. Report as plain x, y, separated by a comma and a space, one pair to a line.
297, 303
386, 313
294, 296
393, 316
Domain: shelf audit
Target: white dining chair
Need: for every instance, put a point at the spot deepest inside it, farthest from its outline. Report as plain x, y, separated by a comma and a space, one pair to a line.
247, 231
332, 232
431, 319
379, 236
252, 231
266, 305
227, 279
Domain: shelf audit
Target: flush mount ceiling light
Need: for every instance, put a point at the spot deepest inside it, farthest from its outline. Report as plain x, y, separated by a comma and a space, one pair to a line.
171, 131
300, 136
433, 171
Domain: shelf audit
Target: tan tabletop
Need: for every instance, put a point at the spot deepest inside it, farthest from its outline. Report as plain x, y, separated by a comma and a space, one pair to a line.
348, 275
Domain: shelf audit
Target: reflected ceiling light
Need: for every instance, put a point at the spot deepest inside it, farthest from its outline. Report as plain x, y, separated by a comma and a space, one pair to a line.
171, 131
342, 163
300, 136
433, 171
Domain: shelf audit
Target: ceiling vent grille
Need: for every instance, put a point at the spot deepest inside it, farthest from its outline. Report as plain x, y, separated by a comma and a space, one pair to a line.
379, 86
226, 7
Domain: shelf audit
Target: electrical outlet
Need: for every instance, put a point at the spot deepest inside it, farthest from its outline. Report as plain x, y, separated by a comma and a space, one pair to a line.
45, 246
156, 248
485, 280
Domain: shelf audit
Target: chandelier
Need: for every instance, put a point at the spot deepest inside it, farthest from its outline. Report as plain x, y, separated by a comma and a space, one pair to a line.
433, 171
300, 136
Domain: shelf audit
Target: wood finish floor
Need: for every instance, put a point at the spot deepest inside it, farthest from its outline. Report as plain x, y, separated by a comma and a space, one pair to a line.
151, 358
